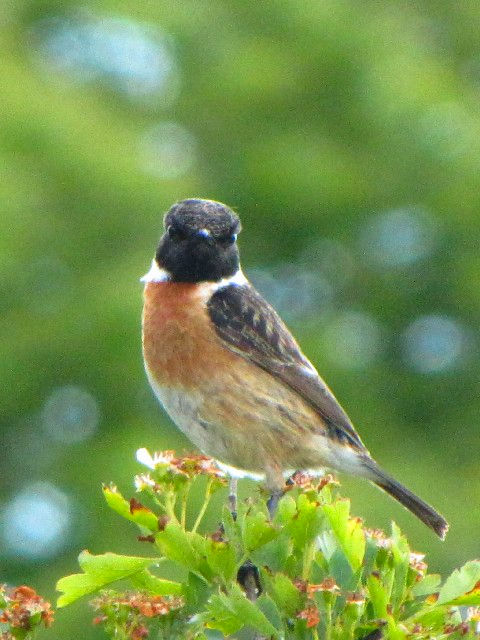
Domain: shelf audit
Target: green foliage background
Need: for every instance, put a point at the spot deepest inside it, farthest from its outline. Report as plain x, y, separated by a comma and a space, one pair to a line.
310, 118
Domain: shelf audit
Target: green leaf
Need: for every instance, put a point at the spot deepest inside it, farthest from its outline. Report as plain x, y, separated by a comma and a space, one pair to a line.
133, 511
257, 530
283, 592
231, 612
270, 610
401, 563
249, 612
433, 618
196, 593
175, 544
286, 510
219, 615
460, 582
221, 557
146, 581
232, 529
99, 571
378, 596
341, 570
187, 548
305, 523
275, 554
348, 531
428, 585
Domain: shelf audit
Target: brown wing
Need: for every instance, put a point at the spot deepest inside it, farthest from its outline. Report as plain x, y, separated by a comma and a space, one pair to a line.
250, 327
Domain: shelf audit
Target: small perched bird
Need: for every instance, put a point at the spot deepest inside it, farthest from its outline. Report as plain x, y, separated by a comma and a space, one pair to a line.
229, 372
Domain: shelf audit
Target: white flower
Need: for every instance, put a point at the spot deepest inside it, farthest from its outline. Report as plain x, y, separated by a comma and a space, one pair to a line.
144, 457
143, 481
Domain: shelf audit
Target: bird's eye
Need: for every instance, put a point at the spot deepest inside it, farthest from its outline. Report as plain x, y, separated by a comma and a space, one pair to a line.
230, 238
176, 234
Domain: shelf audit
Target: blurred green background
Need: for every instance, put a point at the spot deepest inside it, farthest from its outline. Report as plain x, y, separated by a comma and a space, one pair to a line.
347, 136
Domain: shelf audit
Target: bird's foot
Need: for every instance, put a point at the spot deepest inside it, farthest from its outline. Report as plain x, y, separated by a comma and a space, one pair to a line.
248, 578
272, 502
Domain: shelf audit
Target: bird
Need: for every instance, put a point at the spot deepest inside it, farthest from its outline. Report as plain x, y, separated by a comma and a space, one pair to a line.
230, 374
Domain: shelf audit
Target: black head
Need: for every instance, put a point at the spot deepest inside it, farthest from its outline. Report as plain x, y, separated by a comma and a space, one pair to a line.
199, 242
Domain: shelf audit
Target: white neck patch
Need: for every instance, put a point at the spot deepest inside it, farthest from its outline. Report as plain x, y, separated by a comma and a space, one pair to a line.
156, 274
238, 278
162, 275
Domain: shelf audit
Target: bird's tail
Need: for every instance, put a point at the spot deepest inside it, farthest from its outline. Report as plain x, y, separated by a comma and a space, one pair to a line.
413, 503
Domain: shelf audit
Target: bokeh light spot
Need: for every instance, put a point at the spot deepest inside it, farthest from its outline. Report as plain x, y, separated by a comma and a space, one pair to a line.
295, 292
331, 259
399, 238
70, 415
353, 340
35, 523
129, 56
448, 129
167, 150
434, 343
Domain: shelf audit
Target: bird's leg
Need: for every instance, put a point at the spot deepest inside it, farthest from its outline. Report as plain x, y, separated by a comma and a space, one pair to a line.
232, 497
276, 484
272, 502
248, 576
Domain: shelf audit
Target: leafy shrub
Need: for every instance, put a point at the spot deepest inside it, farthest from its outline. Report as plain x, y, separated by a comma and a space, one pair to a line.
313, 572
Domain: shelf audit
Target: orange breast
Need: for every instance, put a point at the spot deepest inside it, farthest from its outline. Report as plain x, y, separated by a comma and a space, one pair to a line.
180, 346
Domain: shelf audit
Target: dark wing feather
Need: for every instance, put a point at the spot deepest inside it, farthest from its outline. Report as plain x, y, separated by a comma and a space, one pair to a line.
250, 327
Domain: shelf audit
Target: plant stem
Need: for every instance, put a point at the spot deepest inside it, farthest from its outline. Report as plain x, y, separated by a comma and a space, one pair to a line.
328, 620
183, 515
170, 506
204, 506
308, 559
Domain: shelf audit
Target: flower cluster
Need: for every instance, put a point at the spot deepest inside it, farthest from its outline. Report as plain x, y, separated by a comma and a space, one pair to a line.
130, 611
168, 468
23, 609
307, 482
190, 466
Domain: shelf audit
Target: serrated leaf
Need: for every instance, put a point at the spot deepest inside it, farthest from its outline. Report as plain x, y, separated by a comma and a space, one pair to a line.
284, 593
428, 585
232, 529
286, 510
196, 593
433, 618
341, 570
98, 571
187, 548
471, 599
275, 554
348, 531
175, 544
257, 530
460, 582
146, 581
249, 612
305, 524
218, 615
270, 610
231, 612
401, 559
378, 596
141, 515
221, 557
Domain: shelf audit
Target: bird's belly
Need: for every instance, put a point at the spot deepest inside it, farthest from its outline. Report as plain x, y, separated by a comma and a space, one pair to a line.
247, 424
228, 407
184, 408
